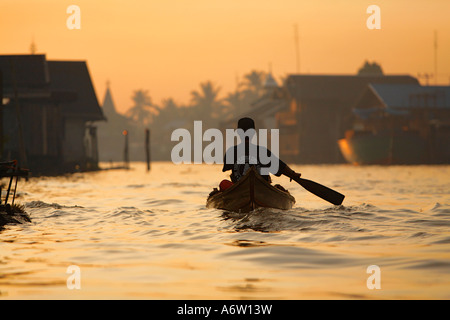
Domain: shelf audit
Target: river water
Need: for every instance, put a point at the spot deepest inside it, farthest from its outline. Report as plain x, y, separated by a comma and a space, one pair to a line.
147, 235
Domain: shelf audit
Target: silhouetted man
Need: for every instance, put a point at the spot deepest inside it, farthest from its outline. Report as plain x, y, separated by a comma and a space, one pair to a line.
241, 157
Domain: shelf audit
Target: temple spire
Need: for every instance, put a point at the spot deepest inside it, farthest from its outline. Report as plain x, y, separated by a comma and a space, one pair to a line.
33, 47
108, 103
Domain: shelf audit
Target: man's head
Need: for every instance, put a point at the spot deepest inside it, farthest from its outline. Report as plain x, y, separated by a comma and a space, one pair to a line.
246, 123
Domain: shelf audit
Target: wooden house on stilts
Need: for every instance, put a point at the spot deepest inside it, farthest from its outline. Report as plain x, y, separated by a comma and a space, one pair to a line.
49, 110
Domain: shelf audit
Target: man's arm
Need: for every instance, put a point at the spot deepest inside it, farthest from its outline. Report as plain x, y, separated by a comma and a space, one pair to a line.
288, 172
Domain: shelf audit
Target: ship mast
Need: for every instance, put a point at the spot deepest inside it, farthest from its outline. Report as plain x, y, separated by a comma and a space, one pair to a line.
435, 57
297, 49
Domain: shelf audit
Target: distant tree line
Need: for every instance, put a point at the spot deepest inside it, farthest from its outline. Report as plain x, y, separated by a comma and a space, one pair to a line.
206, 104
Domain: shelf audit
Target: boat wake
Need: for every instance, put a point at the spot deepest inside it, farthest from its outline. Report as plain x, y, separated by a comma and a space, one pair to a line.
351, 218
357, 223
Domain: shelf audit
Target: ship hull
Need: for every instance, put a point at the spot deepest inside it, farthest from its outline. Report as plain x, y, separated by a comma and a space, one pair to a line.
384, 149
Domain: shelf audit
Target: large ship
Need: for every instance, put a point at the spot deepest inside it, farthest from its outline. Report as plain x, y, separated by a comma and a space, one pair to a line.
399, 124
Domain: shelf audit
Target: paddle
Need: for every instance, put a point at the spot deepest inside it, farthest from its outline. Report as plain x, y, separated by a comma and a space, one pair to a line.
321, 191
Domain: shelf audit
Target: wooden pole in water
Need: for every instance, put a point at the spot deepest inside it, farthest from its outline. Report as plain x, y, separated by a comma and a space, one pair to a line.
147, 147
126, 158
15, 189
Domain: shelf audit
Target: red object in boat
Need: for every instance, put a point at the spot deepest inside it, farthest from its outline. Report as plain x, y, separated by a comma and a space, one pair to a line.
225, 184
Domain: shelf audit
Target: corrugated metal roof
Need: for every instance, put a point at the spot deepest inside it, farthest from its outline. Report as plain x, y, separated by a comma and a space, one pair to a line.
405, 96
339, 91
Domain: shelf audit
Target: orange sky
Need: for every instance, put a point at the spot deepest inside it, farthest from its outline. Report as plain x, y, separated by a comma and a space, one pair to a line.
169, 46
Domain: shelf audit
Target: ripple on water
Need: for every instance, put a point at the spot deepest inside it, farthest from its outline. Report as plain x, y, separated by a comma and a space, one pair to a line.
287, 256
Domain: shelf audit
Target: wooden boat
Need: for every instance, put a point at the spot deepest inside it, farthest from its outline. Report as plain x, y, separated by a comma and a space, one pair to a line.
251, 192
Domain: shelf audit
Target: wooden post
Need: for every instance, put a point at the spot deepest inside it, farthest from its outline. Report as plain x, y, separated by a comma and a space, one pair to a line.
147, 147
126, 158
15, 189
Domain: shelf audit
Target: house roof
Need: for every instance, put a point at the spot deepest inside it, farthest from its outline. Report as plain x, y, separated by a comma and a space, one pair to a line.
27, 73
67, 81
73, 77
339, 91
404, 96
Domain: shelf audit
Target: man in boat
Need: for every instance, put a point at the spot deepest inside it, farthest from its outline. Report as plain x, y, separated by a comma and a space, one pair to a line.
240, 163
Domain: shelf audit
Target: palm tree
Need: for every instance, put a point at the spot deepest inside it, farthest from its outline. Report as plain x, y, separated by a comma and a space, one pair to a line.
143, 109
169, 106
206, 104
254, 82
169, 118
169, 111
233, 103
247, 92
